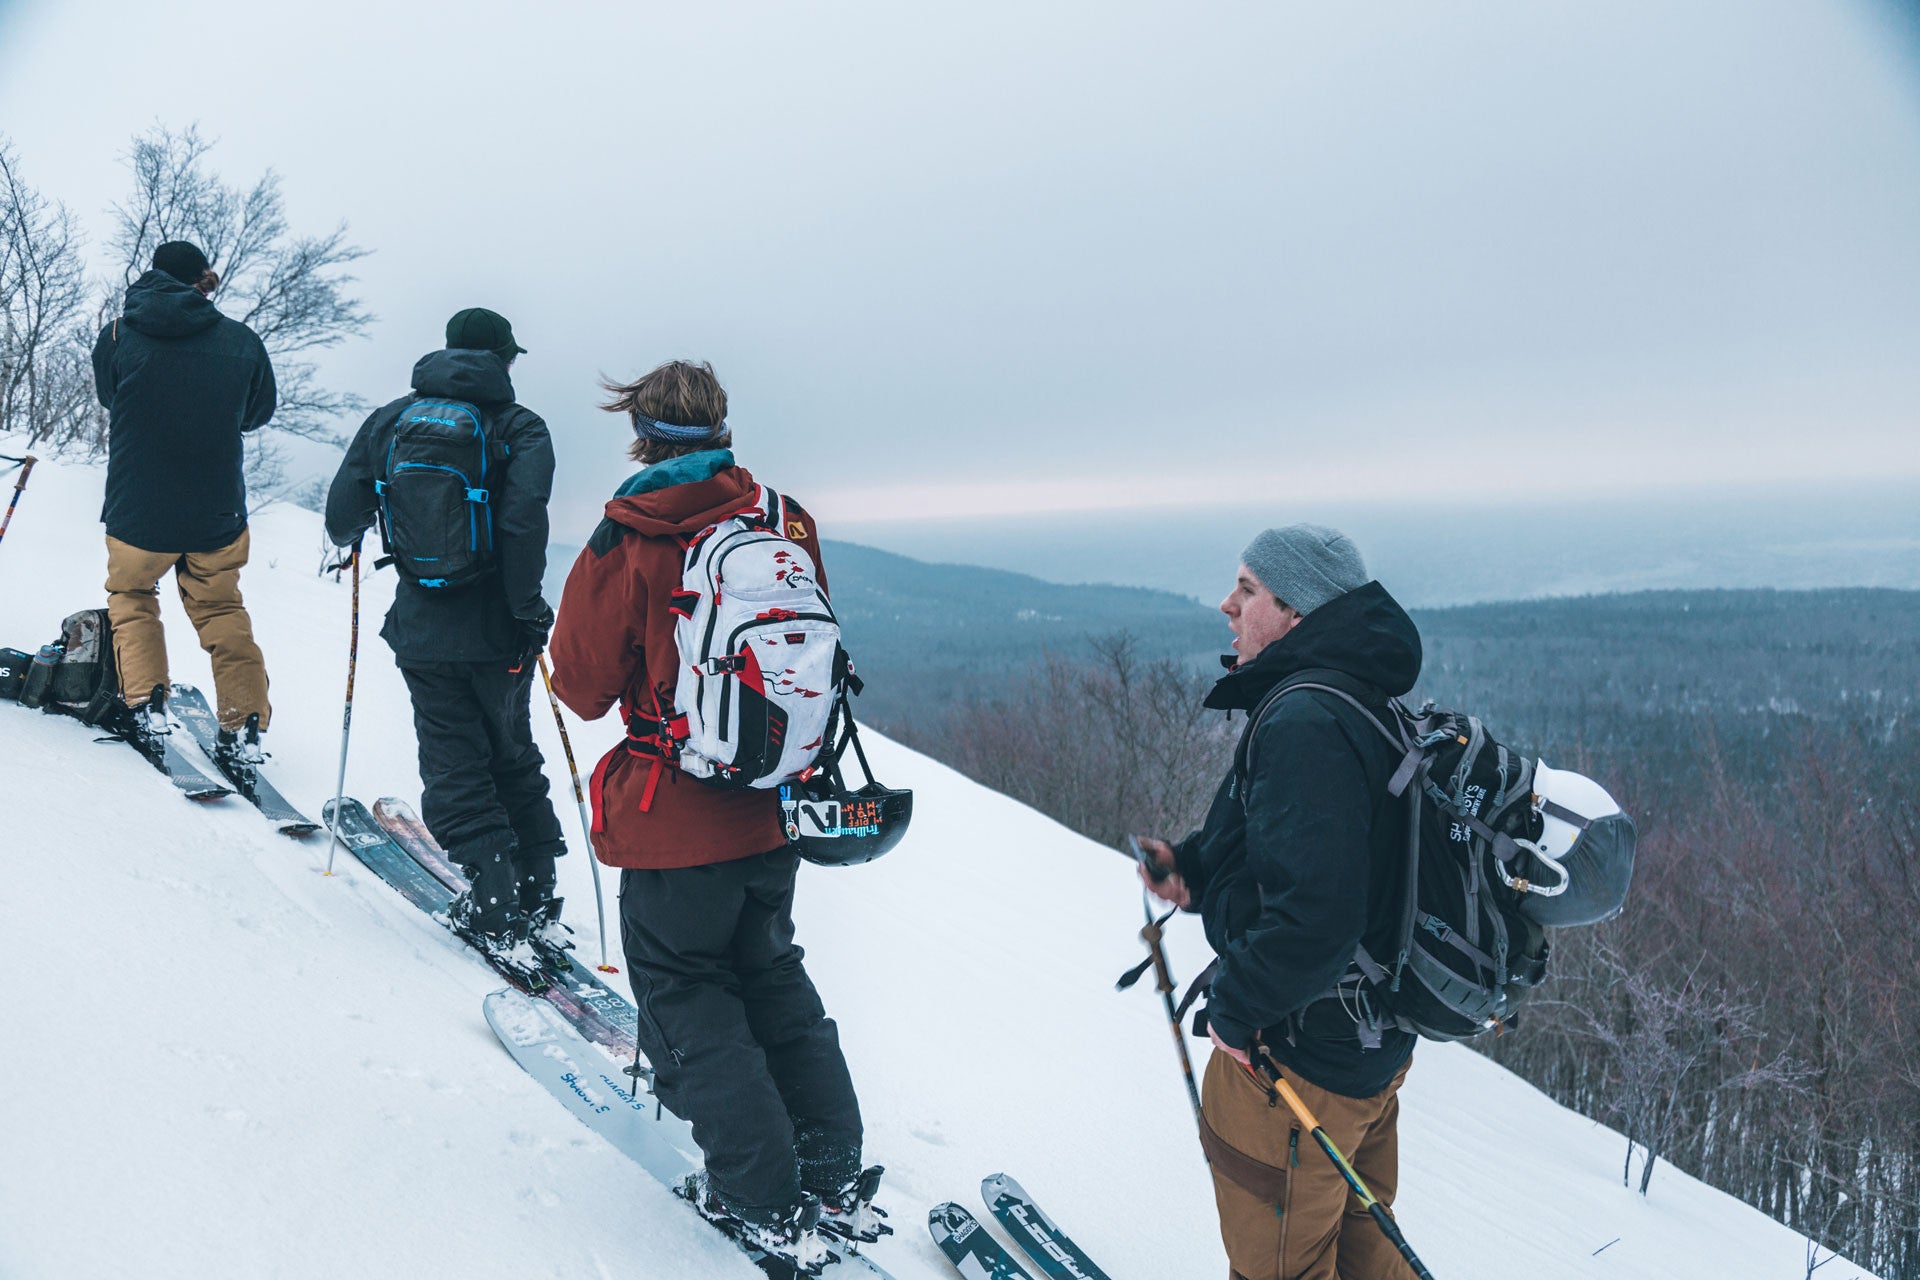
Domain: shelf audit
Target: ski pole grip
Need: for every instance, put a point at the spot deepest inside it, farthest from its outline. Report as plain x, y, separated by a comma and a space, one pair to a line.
1295, 1102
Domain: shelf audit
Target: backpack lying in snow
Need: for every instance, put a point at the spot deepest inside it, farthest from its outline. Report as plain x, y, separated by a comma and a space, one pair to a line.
1499, 848
81, 680
762, 674
436, 518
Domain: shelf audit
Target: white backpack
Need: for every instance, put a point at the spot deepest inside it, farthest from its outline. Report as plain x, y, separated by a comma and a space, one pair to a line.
761, 667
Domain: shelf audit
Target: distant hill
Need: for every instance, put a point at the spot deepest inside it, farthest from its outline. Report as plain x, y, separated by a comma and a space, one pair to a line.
925, 636
929, 636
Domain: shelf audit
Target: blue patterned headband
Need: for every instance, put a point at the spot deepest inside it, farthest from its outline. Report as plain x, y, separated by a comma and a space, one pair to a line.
671, 432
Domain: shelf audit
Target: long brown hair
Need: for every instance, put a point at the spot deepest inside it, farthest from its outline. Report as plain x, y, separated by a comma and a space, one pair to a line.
680, 393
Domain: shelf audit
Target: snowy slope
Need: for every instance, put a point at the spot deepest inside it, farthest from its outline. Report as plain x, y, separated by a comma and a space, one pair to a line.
219, 1062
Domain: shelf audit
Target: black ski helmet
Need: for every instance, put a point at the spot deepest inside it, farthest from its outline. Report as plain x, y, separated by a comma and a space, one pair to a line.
833, 827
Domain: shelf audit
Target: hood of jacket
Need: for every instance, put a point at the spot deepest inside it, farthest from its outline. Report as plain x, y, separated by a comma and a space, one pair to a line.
478, 377
1364, 633
683, 495
161, 307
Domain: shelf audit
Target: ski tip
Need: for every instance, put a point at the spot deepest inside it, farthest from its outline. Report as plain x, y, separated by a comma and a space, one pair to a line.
297, 830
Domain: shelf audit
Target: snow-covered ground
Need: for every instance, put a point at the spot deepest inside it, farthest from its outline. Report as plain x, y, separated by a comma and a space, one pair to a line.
218, 1062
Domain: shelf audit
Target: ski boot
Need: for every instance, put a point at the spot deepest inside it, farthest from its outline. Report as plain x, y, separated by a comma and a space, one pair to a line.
550, 939
146, 727
238, 752
789, 1238
850, 1212
506, 948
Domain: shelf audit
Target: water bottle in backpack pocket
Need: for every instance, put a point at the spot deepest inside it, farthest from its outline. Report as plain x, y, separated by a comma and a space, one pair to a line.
435, 493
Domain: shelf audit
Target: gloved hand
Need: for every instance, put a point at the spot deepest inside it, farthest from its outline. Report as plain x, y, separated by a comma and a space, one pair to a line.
346, 551
533, 635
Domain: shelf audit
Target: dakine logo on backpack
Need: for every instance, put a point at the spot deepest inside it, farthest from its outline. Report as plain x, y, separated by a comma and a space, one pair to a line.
435, 493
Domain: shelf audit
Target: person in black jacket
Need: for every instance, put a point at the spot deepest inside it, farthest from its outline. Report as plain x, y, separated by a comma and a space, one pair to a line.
1293, 874
181, 383
468, 651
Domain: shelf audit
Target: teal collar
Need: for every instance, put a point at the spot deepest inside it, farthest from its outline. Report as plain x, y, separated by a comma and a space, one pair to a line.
688, 468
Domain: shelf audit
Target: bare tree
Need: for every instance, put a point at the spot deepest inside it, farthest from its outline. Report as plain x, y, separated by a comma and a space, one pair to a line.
292, 290
1114, 745
46, 384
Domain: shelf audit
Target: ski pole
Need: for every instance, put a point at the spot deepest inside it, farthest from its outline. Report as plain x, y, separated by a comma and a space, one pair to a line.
580, 801
1381, 1217
26, 469
1163, 979
346, 716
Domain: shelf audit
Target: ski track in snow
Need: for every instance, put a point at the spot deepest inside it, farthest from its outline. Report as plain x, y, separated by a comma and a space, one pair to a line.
238, 1066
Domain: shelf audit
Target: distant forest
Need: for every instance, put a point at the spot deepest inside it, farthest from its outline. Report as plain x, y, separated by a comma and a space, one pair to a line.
1753, 1018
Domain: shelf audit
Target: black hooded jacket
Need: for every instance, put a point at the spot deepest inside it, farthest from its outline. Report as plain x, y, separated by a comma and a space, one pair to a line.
180, 382
1290, 881
479, 622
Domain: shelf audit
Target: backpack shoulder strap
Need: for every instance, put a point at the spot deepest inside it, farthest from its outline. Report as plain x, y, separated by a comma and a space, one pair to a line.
1323, 680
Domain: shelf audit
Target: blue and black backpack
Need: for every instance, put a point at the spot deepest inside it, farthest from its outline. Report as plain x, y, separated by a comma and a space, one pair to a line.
436, 518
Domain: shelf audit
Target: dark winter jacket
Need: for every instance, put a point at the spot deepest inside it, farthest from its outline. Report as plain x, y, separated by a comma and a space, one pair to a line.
1290, 881
479, 622
180, 382
614, 643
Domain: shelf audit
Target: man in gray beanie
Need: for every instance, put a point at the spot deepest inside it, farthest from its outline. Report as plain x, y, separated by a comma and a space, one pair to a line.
1296, 869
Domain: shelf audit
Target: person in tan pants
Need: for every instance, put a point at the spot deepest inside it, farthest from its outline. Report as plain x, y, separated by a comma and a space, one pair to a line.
1279, 1220
1296, 875
181, 384
209, 584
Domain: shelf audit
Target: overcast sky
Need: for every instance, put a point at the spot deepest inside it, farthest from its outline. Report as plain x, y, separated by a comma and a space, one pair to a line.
971, 259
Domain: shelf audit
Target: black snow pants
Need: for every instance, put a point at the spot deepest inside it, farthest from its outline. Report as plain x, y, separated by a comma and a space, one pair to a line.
484, 783
741, 1046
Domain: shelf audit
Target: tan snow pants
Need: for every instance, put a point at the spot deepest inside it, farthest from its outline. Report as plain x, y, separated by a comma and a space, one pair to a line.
1302, 1223
210, 589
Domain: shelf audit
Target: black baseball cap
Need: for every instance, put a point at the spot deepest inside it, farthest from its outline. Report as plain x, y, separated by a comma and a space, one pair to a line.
478, 329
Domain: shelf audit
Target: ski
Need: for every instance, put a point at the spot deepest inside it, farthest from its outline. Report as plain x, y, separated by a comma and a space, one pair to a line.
193, 782
1051, 1250
974, 1253
593, 1008
190, 707
550, 1051
370, 843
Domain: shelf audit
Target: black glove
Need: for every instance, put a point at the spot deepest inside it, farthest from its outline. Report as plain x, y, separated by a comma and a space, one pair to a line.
347, 551
533, 634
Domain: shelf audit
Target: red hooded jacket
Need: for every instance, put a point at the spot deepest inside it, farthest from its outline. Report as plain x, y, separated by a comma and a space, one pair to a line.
613, 643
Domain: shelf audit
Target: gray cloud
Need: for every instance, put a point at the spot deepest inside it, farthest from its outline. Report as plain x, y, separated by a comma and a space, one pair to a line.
1122, 253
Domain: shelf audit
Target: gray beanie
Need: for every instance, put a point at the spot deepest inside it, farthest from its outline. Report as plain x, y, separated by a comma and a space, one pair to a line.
1306, 565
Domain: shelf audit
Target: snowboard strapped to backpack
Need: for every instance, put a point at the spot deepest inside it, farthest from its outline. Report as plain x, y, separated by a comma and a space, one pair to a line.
1480, 885
436, 517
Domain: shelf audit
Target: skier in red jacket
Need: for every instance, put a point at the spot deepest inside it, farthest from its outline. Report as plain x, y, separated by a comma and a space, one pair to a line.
741, 1046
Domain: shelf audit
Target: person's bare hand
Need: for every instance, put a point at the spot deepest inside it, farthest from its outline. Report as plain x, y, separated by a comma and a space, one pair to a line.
1238, 1055
1173, 888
